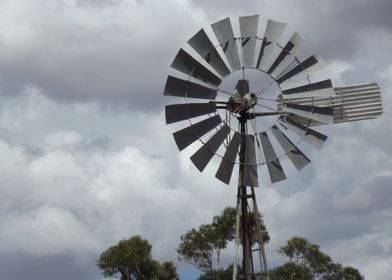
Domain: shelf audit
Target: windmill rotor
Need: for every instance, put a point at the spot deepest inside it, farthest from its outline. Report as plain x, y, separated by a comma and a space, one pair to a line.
230, 124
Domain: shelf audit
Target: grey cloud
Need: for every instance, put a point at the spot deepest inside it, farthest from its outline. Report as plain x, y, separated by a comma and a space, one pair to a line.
99, 3
82, 136
103, 55
62, 267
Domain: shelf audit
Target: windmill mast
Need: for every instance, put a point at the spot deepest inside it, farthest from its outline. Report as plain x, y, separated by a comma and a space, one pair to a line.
242, 193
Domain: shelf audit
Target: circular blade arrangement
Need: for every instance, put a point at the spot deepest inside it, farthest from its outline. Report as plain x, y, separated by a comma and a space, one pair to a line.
210, 113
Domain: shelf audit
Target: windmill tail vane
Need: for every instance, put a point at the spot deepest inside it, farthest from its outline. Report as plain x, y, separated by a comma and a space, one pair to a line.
271, 119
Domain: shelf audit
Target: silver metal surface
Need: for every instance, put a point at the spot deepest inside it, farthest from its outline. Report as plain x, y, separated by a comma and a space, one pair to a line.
204, 47
226, 166
349, 103
248, 29
274, 167
225, 35
287, 56
177, 87
306, 67
298, 158
322, 89
185, 63
321, 114
250, 162
273, 32
190, 134
316, 139
203, 156
179, 112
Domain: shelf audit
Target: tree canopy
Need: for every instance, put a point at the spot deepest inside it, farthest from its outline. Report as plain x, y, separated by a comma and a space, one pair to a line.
131, 259
307, 261
200, 246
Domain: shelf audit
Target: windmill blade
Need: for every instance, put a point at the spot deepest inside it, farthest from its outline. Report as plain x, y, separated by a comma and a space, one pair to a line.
204, 47
225, 35
286, 57
203, 156
305, 121
273, 32
248, 29
274, 167
177, 87
179, 112
299, 159
250, 162
316, 139
322, 88
190, 134
308, 66
321, 114
185, 63
226, 166
242, 87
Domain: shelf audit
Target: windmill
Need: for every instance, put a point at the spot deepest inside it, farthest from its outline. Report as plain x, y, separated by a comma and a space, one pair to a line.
254, 128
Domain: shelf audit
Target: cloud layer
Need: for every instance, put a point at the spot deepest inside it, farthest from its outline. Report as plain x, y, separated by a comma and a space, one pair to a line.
86, 158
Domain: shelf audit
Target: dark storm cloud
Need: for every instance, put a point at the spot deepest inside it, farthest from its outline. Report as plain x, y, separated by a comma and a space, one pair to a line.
61, 267
77, 163
106, 55
330, 26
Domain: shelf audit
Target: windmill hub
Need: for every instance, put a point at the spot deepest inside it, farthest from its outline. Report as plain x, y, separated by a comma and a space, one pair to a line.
242, 99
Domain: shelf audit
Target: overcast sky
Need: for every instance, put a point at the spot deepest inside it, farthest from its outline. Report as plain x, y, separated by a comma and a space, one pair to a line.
86, 159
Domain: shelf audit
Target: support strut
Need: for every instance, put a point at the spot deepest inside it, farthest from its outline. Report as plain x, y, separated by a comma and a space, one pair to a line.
243, 220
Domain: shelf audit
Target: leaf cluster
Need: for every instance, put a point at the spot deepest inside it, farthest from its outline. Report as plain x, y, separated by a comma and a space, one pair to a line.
131, 259
199, 246
307, 261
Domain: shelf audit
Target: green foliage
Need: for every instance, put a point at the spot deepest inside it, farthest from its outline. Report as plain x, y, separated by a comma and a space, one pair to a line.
196, 247
167, 271
221, 274
131, 259
306, 261
291, 271
200, 246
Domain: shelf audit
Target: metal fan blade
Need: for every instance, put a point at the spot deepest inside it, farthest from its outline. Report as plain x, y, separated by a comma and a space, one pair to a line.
323, 88
203, 46
274, 167
273, 32
227, 164
225, 35
177, 87
180, 112
242, 87
286, 57
248, 29
321, 114
250, 162
185, 63
293, 152
203, 156
316, 139
308, 66
190, 134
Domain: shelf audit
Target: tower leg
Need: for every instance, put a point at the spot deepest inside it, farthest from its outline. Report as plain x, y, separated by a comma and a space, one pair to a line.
243, 230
